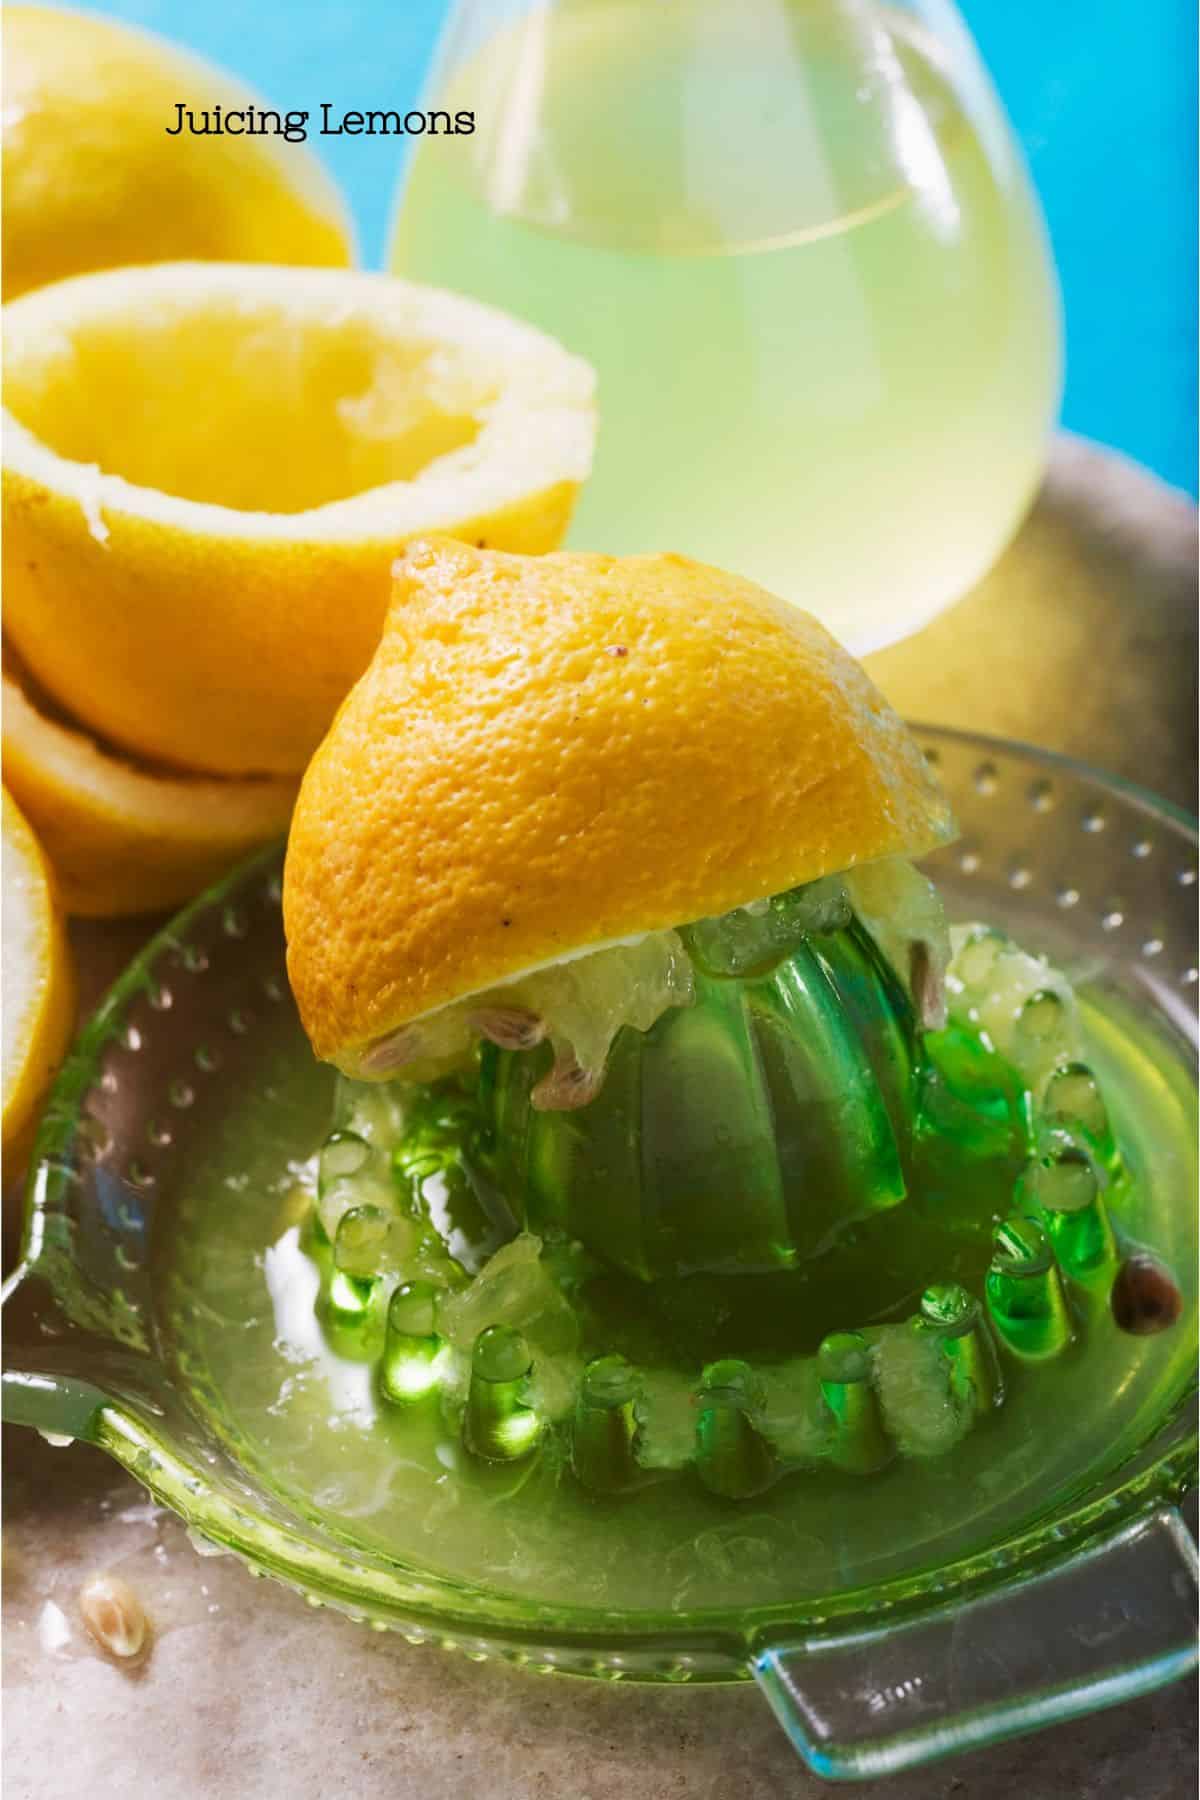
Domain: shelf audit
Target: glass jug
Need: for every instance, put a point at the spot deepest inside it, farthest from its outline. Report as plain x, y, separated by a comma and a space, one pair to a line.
796, 240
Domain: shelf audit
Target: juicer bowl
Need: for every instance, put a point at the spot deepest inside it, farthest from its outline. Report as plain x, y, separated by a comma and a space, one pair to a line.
1080, 1596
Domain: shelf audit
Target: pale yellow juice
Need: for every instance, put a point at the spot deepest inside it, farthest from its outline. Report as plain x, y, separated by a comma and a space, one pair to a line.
819, 303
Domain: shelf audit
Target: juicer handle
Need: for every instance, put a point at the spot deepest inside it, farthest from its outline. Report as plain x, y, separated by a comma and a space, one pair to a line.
58, 1378
1116, 1620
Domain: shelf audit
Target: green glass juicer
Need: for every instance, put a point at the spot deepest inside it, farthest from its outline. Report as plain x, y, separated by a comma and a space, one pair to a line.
179, 1305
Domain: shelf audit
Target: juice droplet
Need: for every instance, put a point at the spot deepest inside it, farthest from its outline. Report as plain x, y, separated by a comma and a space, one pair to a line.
1064, 1188
344, 1153
950, 1310
1024, 1291
602, 1447
860, 1443
500, 1355
412, 1351
1020, 1248
500, 1425
1064, 1181
1073, 1099
1041, 1036
358, 1248
412, 1308
733, 1457
955, 1317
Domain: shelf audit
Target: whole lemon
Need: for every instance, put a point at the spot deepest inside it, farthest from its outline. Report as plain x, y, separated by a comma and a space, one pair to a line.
92, 180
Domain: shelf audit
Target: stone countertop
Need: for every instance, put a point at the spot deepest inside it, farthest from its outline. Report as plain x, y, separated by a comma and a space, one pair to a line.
248, 1694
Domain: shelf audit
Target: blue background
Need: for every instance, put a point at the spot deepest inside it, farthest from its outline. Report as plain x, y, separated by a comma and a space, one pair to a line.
1101, 92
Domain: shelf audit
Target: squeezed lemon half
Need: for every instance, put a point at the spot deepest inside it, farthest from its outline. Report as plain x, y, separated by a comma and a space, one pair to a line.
124, 837
210, 468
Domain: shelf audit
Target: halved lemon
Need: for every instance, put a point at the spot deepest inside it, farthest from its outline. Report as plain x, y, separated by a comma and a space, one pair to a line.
551, 755
39, 992
92, 179
210, 468
122, 837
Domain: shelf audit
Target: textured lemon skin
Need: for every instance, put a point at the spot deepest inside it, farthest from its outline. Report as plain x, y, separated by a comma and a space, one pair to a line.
121, 839
91, 180
546, 754
49, 992
221, 640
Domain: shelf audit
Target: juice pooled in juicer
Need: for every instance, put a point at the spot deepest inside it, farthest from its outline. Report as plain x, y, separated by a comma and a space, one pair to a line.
678, 1140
